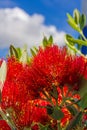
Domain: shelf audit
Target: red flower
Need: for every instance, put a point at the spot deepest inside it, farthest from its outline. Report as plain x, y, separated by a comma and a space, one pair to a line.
67, 117
53, 66
25, 113
30, 113
4, 125
15, 90
17, 72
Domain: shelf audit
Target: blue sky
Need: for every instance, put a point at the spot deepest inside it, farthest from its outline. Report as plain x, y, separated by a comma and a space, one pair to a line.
46, 15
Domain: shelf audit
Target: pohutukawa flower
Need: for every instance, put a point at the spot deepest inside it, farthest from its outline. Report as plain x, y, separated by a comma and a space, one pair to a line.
53, 66
29, 113
15, 90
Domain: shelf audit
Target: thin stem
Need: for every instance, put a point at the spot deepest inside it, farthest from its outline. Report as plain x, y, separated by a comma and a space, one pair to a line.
6, 119
58, 125
74, 48
48, 98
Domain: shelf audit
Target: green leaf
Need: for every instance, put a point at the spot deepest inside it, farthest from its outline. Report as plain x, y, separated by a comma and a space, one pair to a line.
50, 109
24, 55
13, 51
72, 109
82, 21
50, 40
54, 92
83, 102
57, 113
69, 39
75, 121
29, 59
76, 15
32, 52
45, 42
19, 52
72, 23
43, 127
7, 118
35, 48
75, 41
83, 87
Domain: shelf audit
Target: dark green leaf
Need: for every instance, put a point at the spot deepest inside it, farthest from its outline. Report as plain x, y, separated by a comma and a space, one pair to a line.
54, 92
83, 87
32, 52
82, 21
72, 109
50, 40
19, 52
50, 109
13, 51
57, 114
75, 121
83, 101
45, 42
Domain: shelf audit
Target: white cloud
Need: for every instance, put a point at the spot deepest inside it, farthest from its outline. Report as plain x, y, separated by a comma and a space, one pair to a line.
17, 27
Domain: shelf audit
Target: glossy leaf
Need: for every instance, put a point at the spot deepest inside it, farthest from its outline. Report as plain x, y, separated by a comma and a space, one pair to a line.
50, 40
19, 52
13, 51
82, 21
33, 51
76, 16
45, 42
75, 41
72, 23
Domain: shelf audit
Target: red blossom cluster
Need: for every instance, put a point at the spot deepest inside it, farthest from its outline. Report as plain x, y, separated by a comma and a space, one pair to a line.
21, 94
53, 66
16, 95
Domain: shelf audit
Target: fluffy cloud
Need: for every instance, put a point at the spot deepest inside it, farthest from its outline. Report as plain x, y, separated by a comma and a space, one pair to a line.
19, 28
